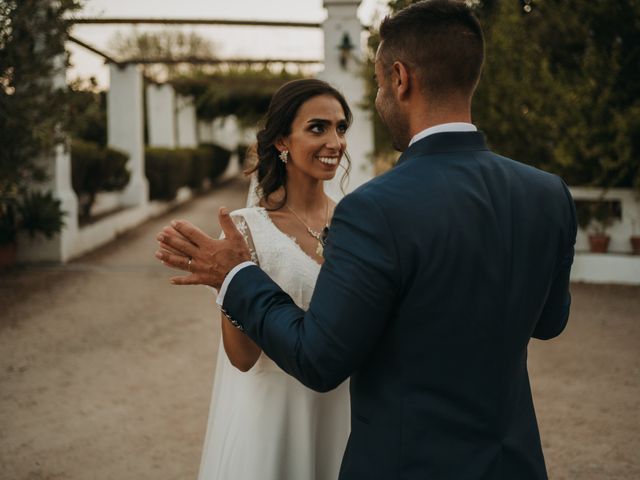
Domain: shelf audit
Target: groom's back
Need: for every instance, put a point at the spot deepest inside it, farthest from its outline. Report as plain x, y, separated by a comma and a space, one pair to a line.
480, 240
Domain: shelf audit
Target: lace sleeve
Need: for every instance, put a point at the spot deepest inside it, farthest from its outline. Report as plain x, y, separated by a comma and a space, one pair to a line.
242, 226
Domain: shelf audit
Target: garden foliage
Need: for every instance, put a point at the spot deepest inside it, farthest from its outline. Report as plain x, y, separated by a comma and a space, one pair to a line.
169, 169
33, 113
560, 87
96, 169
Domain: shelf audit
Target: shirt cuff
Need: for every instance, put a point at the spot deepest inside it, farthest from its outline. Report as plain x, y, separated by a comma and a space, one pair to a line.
228, 278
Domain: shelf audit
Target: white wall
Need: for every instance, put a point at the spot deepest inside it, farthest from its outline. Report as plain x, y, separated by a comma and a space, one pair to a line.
606, 268
622, 229
617, 266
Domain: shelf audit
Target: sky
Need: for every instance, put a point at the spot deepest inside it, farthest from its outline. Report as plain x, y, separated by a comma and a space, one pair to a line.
239, 42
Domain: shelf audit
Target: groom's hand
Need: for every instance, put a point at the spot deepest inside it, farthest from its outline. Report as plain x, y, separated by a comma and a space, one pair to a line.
208, 261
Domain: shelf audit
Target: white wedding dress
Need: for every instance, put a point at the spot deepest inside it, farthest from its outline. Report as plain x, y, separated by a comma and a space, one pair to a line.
264, 424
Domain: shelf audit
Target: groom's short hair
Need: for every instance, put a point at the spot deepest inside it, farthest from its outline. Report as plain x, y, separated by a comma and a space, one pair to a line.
442, 40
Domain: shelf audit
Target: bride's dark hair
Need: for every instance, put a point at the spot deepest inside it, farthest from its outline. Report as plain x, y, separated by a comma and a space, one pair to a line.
284, 106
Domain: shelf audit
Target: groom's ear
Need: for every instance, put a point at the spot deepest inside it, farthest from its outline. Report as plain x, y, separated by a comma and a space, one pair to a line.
401, 80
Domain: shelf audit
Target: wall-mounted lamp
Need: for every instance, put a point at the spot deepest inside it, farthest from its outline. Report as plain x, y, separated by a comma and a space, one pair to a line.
345, 47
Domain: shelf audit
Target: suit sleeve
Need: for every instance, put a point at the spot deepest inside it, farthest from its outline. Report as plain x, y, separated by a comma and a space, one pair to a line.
352, 302
556, 309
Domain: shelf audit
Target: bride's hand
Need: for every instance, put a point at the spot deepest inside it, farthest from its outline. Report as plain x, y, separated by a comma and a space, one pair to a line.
208, 261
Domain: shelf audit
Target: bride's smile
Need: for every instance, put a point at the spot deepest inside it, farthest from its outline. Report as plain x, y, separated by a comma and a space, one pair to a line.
329, 160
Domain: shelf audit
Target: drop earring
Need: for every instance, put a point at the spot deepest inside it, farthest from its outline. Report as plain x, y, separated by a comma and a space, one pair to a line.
283, 156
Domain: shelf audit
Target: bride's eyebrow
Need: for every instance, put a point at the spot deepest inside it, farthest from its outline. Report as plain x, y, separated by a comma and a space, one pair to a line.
318, 120
324, 121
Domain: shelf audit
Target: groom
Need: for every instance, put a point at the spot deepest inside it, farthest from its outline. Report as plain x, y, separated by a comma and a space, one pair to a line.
436, 276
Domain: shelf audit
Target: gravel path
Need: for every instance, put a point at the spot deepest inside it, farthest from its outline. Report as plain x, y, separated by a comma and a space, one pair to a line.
107, 369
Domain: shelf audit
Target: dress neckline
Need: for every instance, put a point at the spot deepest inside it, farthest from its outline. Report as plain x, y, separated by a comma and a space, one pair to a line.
291, 238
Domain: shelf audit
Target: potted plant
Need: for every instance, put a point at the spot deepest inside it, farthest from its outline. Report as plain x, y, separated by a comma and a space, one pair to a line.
35, 213
595, 218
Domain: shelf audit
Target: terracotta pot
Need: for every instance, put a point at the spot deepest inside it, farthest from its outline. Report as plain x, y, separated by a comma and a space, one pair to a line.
599, 243
8, 253
635, 244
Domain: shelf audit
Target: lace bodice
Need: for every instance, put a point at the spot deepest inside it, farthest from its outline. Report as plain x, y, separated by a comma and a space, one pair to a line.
280, 256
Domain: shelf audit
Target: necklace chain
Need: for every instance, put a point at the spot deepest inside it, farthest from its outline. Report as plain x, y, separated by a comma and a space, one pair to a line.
319, 236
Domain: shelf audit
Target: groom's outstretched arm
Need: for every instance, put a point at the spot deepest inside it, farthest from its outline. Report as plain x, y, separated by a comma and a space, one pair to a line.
351, 304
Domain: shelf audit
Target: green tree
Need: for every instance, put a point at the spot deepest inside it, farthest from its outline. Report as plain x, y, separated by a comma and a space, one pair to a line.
87, 112
32, 35
559, 89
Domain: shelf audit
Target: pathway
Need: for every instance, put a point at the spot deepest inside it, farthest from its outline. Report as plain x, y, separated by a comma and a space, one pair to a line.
106, 369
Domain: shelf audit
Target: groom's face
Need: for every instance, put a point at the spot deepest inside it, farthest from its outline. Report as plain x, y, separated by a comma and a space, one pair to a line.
387, 105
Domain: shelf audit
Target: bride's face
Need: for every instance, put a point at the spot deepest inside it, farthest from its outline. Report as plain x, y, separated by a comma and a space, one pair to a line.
317, 141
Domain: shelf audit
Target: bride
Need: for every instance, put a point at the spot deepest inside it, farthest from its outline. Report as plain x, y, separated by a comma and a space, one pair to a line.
263, 424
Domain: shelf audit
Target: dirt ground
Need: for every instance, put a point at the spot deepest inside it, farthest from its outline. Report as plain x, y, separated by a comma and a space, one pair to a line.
106, 369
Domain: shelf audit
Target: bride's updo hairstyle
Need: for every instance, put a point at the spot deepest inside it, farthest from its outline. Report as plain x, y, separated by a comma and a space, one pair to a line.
284, 106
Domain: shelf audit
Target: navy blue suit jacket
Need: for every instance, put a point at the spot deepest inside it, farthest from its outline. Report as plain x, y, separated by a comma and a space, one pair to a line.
436, 276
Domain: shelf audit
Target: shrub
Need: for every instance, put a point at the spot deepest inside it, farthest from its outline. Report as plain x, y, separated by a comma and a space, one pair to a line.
244, 153
40, 213
201, 165
87, 111
95, 169
596, 216
167, 170
220, 159
33, 212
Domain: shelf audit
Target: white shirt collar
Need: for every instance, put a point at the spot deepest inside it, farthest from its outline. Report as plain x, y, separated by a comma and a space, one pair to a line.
444, 127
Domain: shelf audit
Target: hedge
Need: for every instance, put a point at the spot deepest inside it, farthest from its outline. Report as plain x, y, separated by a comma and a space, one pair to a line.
95, 169
220, 160
201, 164
167, 170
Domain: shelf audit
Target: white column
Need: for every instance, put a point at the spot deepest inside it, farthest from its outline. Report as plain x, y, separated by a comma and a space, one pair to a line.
345, 73
226, 132
248, 136
58, 166
161, 115
187, 124
125, 122
205, 131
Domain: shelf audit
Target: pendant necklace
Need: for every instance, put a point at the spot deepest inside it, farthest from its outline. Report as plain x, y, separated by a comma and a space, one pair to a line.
321, 237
